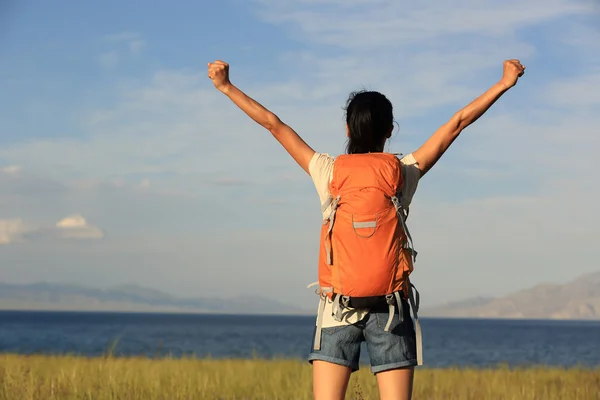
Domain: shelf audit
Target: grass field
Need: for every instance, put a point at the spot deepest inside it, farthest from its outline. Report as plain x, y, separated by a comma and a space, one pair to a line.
50, 378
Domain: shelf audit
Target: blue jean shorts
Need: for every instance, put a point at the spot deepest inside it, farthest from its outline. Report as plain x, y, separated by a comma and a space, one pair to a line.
389, 350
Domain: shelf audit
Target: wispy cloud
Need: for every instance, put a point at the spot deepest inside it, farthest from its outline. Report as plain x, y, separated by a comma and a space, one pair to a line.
136, 46
11, 169
119, 46
123, 36
145, 183
389, 24
576, 92
109, 59
12, 230
134, 41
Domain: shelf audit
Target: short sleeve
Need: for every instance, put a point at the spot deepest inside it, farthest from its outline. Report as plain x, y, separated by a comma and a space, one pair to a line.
320, 169
412, 174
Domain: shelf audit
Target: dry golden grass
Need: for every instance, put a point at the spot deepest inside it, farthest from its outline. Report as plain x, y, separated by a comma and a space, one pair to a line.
66, 378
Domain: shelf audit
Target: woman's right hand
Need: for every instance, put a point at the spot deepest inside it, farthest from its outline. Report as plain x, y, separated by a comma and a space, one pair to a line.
513, 70
218, 72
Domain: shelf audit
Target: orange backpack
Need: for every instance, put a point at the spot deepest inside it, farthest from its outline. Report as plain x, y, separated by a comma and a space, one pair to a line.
366, 253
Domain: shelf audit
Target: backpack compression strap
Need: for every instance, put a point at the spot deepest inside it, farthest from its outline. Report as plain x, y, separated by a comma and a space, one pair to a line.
333, 202
402, 215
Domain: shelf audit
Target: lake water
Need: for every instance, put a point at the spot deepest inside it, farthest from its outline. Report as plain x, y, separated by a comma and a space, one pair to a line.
447, 342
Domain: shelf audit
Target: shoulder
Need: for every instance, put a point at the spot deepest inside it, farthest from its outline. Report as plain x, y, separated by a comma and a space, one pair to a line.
320, 162
410, 167
409, 159
320, 169
411, 175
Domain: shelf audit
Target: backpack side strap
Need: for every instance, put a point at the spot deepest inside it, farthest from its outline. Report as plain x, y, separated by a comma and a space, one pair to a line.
322, 292
414, 305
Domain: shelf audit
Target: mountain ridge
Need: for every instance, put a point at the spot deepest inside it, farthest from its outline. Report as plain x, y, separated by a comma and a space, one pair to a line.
576, 299
130, 297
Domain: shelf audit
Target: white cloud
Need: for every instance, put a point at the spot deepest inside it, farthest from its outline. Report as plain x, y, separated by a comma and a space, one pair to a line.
76, 227
74, 221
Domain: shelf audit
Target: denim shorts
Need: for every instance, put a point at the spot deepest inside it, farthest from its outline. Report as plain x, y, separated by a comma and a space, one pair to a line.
389, 350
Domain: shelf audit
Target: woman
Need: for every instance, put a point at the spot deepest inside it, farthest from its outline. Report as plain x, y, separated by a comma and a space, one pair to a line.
343, 321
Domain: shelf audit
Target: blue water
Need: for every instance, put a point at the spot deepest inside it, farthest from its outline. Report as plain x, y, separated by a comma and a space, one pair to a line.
447, 342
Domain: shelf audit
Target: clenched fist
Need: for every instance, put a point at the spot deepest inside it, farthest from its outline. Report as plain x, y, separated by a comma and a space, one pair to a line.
218, 72
513, 70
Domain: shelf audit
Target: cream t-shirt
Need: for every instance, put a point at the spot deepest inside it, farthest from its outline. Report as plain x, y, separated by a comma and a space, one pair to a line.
321, 171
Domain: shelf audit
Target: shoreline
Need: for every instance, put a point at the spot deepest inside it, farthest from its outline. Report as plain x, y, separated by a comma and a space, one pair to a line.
307, 314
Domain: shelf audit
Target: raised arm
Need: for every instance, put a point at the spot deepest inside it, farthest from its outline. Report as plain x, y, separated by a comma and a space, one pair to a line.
431, 151
218, 72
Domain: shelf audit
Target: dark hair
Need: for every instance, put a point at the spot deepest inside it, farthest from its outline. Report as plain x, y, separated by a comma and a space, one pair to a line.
370, 118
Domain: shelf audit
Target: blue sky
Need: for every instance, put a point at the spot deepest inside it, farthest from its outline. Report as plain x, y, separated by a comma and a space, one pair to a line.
120, 163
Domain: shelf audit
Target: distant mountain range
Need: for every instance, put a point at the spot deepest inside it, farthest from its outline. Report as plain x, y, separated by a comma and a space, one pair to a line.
578, 299
131, 298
